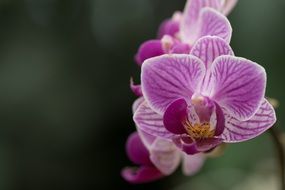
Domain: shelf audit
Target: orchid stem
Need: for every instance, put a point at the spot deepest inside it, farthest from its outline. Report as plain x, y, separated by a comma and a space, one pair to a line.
280, 153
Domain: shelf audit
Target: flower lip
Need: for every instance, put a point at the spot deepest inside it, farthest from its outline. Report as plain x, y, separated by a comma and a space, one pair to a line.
174, 115
191, 146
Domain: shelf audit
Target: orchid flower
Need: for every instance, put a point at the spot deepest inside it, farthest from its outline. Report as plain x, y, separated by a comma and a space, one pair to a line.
178, 34
156, 157
138, 154
205, 98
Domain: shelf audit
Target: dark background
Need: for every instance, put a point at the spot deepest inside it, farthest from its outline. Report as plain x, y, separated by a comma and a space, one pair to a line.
65, 103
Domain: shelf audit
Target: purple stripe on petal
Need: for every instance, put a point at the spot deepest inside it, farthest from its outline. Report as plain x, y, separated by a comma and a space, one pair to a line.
238, 131
208, 48
239, 86
165, 155
170, 77
214, 23
144, 174
150, 122
192, 163
175, 115
136, 150
148, 49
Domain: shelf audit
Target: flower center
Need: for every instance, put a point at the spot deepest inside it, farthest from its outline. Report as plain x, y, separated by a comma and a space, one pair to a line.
199, 130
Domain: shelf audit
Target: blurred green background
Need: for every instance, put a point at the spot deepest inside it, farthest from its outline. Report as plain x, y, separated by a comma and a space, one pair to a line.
65, 101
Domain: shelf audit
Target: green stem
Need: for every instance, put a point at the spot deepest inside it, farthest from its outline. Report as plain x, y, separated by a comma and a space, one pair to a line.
280, 154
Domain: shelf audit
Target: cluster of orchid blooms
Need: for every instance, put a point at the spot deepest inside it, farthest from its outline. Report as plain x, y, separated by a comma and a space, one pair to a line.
195, 94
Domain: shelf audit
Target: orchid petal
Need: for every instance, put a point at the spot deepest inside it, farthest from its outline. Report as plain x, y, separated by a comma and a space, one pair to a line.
191, 147
150, 122
136, 150
146, 138
207, 144
170, 77
186, 144
192, 163
137, 103
238, 131
191, 14
239, 85
180, 48
219, 120
175, 115
136, 89
214, 23
165, 156
148, 49
170, 26
208, 48
228, 6
144, 174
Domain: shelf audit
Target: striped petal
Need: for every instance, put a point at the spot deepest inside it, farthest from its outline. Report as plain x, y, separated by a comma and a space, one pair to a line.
238, 131
238, 86
213, 23
170, 77
165, 155
191, 14
150, 122
208, 48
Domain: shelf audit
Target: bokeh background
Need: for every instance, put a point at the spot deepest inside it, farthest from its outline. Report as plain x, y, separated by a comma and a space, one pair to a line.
65, 103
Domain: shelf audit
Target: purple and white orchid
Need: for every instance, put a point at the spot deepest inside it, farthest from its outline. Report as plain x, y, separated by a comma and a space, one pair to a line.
156, 157
204, 98
178, 34
138, 154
